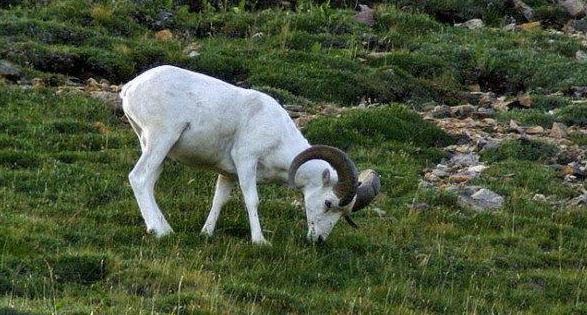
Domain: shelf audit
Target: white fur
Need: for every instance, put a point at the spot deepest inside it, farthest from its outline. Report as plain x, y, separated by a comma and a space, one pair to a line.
243, 134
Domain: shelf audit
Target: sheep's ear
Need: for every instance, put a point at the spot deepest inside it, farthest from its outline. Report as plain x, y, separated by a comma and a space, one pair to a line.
325, 177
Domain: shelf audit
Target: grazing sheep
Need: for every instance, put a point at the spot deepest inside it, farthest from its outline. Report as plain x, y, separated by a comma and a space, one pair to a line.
247, 137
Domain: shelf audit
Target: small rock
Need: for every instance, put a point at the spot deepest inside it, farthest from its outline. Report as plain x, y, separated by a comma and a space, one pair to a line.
483, 112
581, 56
92, 85
477, 168
459, 178
531, 26
535, 130
500, 105
510, 27
366, 15
573, 7
539, 197
558, 131
514, 125
523, 8
525, 101
431, 177
164, 35
483, 199
579, 91
192, 50
37, 83
9, 71
441, 111
463, 111
472, 24
463, 160
112, 99
487, 99
294, 108
579, 25
580, 200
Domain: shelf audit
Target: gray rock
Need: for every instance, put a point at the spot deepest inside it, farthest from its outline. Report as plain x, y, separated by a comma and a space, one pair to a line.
441, 111
574, 7
485, 113
579, 25
366, 15
472, 24
481, 200
463, 111
460, 160
523, 8
558, 131
581, 56
9, 71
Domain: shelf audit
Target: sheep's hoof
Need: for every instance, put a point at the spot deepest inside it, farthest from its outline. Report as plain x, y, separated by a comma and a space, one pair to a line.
160, 232
262, 242
206, 233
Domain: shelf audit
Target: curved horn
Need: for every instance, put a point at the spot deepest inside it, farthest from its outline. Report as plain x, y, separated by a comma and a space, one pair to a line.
346, 188
368, 189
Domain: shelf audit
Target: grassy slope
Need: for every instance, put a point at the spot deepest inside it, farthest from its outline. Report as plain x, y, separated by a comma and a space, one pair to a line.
73, 240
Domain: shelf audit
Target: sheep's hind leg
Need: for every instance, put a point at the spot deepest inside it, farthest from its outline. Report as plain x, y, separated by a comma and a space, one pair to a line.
145, 174
223, 188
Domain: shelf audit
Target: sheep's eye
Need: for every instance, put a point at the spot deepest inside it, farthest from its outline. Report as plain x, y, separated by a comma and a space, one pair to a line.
328, 204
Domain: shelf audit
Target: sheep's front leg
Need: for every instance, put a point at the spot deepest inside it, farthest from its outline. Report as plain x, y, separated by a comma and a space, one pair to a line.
223, 188
247, 177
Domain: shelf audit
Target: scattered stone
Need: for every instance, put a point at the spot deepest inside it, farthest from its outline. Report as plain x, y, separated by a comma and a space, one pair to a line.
463, 111
530, 26
37, 83
581, 56
574, 7
9, 71
481, 199
485, 113
579, 91
524, 9
500, 104
535, 130
510, 27
459, 178
464, 160
366, 15
112, 99
558, 131
441, 111
164, 35
525, 101
539, 197
192, 50
580, 200
472, 24
579, 25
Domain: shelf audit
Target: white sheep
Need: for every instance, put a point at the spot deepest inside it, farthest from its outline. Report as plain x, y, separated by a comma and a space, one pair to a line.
244, 135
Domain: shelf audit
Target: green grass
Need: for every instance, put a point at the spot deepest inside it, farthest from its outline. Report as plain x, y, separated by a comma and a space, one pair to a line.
71, 236
73, 240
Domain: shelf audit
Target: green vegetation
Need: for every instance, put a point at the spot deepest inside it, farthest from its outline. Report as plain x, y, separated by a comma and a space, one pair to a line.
71, 235
316, 51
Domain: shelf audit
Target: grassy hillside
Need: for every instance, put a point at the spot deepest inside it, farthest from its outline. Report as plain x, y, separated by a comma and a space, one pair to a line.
316, 51
72, 239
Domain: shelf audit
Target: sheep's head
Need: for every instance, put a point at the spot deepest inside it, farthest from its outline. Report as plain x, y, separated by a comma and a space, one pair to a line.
327, 200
